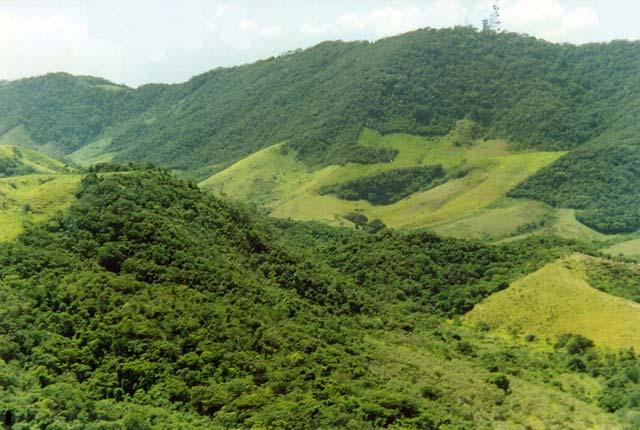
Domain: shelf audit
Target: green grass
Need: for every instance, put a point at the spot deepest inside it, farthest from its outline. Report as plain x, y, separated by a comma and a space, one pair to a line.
289, 189
17, 139
630, 248
566, 226
560, 223
265, 177
33, 198
505, 218
92, 153
17, 136
483, 186
40, 162
557, 299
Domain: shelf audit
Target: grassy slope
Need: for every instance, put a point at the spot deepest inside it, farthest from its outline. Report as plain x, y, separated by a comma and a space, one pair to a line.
16, 136
93, 153
566, 226
630, 248
561, 223
18, 139
505, 216
289, 188
557, 299
31, 197
405, 359
44, 195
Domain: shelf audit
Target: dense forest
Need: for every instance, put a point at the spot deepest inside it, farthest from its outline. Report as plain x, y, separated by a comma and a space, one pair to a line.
150, 304
535, 93
602, 183
388, 187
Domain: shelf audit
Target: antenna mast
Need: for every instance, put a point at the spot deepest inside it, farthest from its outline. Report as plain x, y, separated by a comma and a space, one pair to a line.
495, 23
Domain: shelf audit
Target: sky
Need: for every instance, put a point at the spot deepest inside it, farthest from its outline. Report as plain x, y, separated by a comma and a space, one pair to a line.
143, 41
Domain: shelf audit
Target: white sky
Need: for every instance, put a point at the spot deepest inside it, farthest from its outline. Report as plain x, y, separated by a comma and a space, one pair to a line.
142, 41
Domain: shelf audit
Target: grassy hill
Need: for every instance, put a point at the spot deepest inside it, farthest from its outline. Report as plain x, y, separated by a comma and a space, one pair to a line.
630, 248
16, 160
531, 404
33, 198
33, 186
559, 299
462, 206
471, 204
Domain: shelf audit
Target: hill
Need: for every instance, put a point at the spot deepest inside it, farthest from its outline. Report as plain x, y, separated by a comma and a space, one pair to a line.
600, 183
477, 175
560, 298
33, 187
317, 103
629, 248
33, 198
15, 161
150, 304
529, 91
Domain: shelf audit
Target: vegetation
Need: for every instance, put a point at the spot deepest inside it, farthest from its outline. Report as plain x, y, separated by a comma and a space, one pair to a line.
12, 166
629, 248
61, 112
316, 104
615, 278
620, 370
560, 298
534, 93
33, 198
15, 161
390, 186
600, 183
133, 300
480, 173
149, 304
409, 267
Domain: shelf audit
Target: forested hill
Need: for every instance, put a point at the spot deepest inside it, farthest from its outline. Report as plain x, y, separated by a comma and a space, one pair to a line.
535, 93
152, 305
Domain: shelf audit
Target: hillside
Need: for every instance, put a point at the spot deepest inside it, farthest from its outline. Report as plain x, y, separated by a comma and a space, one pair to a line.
150, 304
560, 298
477, 175
601, 183
33, 198
16, 161
516, 87
316, 104
629, 248
33, 187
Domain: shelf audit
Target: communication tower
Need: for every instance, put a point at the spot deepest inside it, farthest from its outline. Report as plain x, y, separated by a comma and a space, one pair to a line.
493, 23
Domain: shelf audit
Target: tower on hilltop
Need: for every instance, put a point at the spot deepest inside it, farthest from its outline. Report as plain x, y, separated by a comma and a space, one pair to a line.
493, 23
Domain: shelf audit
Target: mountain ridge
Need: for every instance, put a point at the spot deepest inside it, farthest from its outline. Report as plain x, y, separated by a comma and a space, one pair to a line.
554, 82
317, 103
